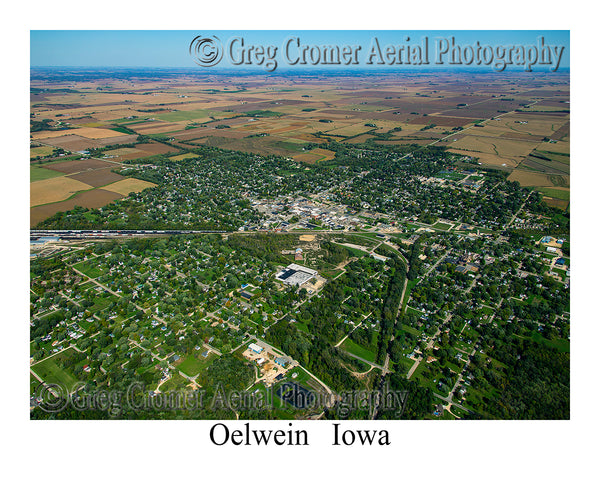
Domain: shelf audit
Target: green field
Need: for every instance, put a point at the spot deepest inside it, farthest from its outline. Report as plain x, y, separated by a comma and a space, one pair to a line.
88, 268
49, 371
193, 364
182, 116
33, 384
351, 347
355, 252
176, 382
101, 301
40, 173
411, 330
555, 193
561, 344
442, 226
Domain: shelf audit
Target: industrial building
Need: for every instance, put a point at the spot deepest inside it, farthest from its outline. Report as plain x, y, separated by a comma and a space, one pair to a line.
296, 274
255, 348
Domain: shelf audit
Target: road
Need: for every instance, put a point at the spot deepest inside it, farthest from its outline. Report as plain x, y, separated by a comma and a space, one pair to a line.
375, 365
518, 211
350, 333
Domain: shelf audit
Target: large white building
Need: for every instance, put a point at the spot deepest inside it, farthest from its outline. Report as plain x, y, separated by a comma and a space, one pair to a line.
296, 274
255, 348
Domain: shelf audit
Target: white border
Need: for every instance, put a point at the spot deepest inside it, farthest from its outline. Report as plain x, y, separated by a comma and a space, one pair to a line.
420, 449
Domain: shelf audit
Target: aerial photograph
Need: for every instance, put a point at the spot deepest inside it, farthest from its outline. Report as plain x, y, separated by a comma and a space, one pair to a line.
292, 225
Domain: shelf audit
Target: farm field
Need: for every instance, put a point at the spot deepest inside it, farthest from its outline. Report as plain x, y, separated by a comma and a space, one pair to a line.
128, 185
39, 173
40, 151
90, 199
54, 190
241, 114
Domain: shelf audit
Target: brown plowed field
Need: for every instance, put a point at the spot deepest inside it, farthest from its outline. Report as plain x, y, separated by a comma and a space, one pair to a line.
74, 166
155, 148
97, 178
91, 199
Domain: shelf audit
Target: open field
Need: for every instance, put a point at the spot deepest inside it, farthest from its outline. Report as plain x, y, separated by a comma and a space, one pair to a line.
87, 132
183, 156
355, 349
128, 185
155, 148
308, 158
119, 152
40, 151
75, 166
90, 199
39, 173
97, 178
241, 113
54, 190
49, 371
558, 193
497, 146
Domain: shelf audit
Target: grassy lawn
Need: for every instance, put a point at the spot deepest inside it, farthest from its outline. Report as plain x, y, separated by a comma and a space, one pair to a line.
355, 252
193, 364
412, 330
409, 286
50, 372
302, 376
351, 347
442, 226
302, 326
33, 384
176, 382
405, 364
40, 173
561, 344
90, 269
102, 301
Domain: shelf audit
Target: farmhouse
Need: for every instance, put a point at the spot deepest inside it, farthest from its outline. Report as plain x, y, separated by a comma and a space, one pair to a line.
295, 274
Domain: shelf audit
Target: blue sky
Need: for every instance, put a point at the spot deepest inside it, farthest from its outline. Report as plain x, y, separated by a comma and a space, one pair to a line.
164, 48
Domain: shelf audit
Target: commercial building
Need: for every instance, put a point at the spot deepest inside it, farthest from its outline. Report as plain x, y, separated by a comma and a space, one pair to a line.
296, 275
